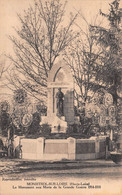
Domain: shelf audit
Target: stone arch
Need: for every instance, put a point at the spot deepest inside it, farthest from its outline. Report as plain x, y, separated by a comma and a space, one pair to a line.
67, 86
55, 69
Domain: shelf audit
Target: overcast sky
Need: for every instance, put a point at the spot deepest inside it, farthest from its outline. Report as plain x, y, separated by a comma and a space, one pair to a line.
10, 8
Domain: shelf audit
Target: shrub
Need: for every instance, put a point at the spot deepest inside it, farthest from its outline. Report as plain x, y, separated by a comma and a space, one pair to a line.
45, 129
74, 128
42, 109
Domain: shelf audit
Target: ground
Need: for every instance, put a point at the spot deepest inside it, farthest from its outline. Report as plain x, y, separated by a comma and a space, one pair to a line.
64, 169
88, 177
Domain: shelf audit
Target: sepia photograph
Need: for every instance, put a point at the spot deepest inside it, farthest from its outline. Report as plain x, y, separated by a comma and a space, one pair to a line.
60, 97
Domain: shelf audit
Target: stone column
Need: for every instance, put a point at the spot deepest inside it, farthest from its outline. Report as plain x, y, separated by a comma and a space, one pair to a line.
71, 148
40, 148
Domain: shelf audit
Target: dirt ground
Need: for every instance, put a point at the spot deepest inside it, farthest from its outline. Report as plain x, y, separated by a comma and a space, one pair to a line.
56, 169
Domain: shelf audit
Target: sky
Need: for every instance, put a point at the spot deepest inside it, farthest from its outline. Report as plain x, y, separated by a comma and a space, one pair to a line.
10, 8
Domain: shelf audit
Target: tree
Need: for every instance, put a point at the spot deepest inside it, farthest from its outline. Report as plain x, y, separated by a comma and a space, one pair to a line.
110, 41
5, 118
41, 40
83, 56
3, 70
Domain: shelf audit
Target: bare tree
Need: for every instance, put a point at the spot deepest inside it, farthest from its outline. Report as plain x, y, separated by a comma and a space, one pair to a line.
41, 39
3, 70
3, 67
83, 56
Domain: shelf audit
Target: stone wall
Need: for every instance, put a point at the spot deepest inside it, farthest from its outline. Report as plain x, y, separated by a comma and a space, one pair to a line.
58, 149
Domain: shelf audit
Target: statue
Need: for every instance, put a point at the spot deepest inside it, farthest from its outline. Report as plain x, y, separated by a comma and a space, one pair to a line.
59, 102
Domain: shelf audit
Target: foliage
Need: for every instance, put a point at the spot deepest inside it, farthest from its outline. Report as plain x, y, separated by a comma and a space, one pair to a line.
74, 128
4, 106
42, 109
45, 129
35, 125
19, 96
22, 118
119, 115
41, 131
5, 121
109, 71
81, 130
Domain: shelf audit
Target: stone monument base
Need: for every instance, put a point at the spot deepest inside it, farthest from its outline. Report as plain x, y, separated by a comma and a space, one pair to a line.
58, 124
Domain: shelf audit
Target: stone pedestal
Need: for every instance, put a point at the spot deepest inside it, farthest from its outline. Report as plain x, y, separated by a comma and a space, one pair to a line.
59, 125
